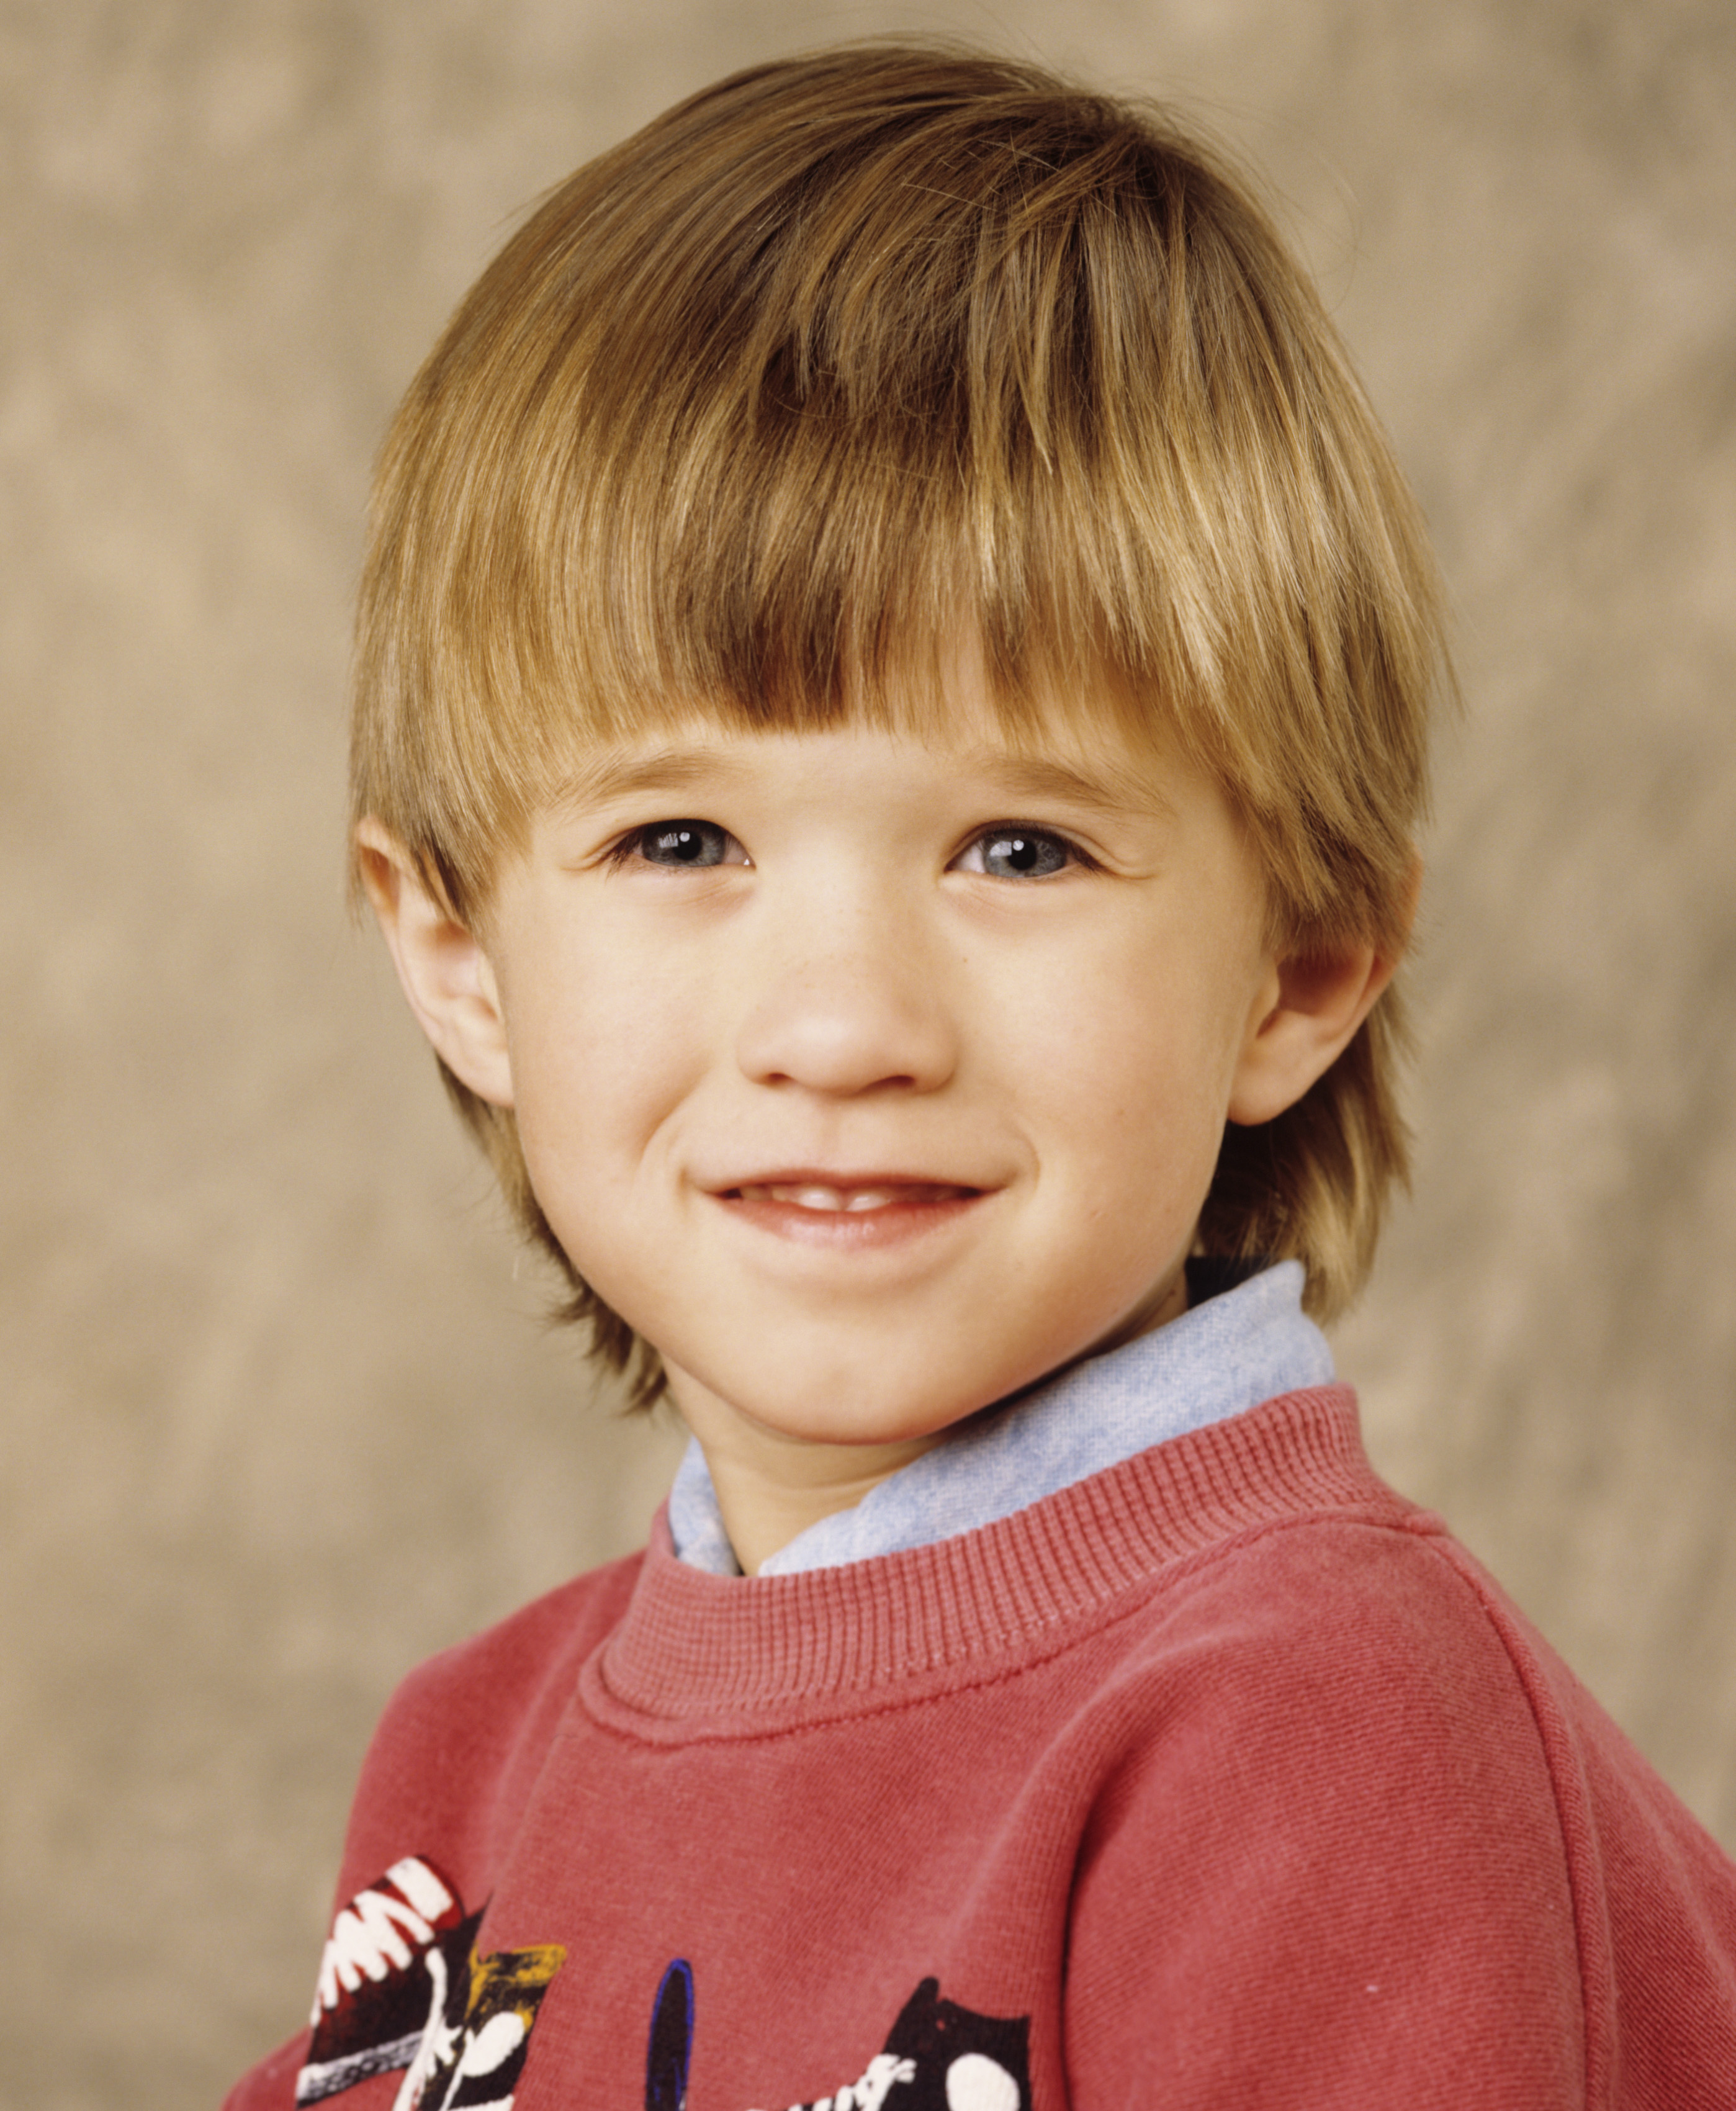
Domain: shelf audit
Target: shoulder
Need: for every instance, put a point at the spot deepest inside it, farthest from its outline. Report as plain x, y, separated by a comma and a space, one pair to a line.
1329, 1823
445, 1773
1365, 1644
1358, 1798
466, 1731
509, 1662
1356, 1684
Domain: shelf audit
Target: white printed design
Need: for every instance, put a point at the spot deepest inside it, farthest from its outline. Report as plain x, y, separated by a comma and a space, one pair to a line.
884, 2071
382, 1928
973, 2082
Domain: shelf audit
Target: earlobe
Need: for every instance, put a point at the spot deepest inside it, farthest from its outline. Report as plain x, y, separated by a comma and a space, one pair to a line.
446, 974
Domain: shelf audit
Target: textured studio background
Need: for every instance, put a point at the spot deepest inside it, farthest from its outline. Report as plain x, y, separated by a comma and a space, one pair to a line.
280, 1417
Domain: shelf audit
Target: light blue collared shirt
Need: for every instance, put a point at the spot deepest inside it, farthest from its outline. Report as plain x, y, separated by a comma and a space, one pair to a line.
1220, 1358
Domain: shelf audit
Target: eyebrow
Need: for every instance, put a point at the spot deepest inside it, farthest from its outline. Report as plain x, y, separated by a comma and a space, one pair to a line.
1111, 788
663, 770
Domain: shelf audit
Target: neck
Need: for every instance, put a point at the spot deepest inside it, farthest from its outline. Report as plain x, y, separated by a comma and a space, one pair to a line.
769, 1486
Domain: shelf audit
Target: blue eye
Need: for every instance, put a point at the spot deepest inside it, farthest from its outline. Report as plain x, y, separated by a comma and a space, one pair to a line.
686, 845
1010, 853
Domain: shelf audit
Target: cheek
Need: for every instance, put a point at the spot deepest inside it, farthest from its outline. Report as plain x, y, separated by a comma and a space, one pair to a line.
1134, 1058
600, 1055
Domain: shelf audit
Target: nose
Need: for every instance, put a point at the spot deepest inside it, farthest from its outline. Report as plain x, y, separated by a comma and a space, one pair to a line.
856, 1006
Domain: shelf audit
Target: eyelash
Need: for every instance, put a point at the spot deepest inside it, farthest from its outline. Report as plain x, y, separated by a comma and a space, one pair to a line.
637, 843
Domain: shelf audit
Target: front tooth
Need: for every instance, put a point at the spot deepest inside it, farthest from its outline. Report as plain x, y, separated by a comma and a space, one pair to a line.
868, 1198
816, 1198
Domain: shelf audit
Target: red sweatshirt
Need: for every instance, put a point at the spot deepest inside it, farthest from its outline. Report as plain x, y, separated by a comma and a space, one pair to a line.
1224, 1778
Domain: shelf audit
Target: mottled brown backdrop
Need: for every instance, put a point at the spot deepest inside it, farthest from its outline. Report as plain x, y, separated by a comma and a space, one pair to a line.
279, 1416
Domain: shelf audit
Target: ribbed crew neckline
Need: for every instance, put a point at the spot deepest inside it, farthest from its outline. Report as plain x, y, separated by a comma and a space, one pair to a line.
703, 1656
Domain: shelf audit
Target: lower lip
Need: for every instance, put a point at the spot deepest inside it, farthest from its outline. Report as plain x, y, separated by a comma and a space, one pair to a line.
852, 1230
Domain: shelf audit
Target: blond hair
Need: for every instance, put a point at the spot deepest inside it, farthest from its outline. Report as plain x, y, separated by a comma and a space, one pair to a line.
757, 409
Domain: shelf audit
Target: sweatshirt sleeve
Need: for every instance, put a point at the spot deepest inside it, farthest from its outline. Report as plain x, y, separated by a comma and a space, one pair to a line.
1330, 1868
271, 2085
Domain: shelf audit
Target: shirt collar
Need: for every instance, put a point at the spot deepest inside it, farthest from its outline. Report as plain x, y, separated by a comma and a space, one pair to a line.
1225, 1353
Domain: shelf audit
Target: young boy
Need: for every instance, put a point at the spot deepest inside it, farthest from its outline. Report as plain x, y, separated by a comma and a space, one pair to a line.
893, 679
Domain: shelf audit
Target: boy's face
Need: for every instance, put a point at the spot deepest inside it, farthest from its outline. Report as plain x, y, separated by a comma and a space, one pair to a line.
870, 1079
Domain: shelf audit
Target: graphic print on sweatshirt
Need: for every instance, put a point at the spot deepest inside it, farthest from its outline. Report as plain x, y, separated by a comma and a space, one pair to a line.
937, 2057
402, 1986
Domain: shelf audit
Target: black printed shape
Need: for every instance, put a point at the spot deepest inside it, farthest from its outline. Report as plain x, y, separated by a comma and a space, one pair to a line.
991, 2053
672, 2039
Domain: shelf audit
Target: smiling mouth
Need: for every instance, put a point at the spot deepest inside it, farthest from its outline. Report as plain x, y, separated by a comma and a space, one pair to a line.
866, 1214
855, 1199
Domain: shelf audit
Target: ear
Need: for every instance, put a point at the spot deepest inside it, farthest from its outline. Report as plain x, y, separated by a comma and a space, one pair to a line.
1305, 1018
445, 972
